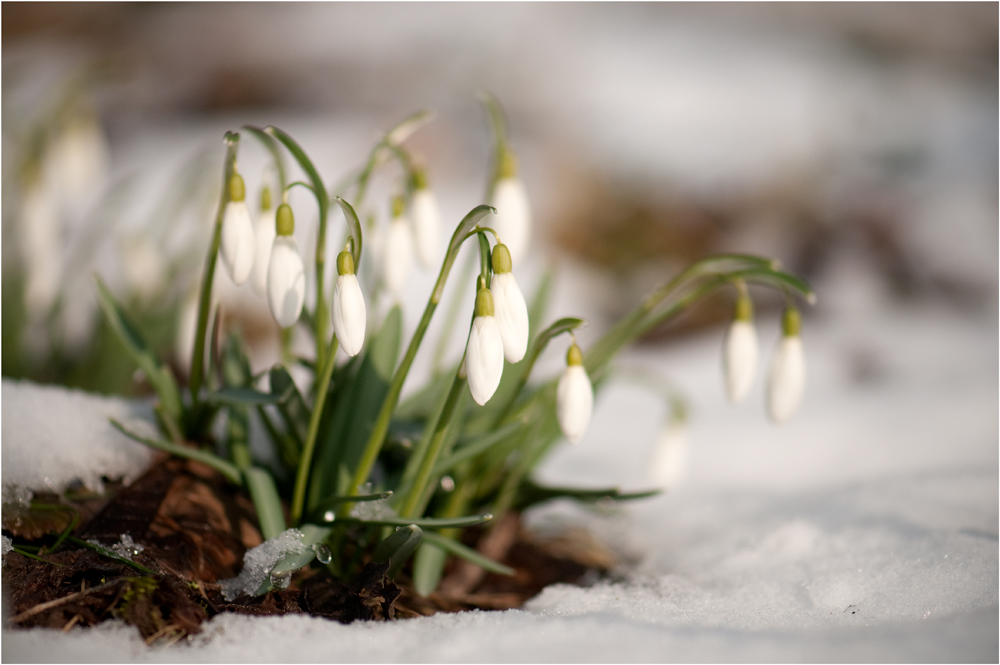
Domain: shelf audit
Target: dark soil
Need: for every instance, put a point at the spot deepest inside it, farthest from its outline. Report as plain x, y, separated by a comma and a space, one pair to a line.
194, 530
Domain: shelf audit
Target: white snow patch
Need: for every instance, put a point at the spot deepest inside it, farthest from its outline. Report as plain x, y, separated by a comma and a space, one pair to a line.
6, 545
54, 436
258, 562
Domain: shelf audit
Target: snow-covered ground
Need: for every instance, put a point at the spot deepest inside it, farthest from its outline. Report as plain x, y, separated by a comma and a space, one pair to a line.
865, 529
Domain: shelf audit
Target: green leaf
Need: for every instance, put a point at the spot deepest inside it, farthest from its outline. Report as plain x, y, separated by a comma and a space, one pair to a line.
423, 522
354, 227
243, 397
290, 404
331, 502
458, 549
159, 375
469, 222
227, 469
531, 494
312, 537
395, 549
103, 551
266, 501
475, 446
303, 159
428, 566
405, 128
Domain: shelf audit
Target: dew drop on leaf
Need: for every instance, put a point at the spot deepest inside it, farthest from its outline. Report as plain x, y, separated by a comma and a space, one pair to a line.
323, 554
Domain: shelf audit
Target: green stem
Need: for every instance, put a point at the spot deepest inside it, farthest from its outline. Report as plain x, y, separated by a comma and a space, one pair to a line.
205, 295
305, 461
377, 437
414, 498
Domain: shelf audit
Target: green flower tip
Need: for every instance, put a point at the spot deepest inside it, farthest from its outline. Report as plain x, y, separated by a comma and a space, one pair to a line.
398, 206
265, 198
744, 309
284, 220
791, 322
508, 165
484, 302
574, 356
419, 179
500, 259
345, 263
237, 190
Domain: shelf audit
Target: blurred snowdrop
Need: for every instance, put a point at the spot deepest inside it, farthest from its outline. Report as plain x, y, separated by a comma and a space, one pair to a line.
574, 396
787, 379
286, 278
426, 222
40, 249
238, 247
349, 316
513, 219
397, 256
511, 310
668, 465
78, 161
484, 355
144, 265
264, 235
740, 353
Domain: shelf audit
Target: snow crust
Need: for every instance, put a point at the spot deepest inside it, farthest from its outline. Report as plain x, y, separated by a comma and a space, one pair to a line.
54, 436
258, 562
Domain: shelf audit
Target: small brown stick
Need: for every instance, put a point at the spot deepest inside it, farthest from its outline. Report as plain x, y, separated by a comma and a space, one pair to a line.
41, 607
72, 622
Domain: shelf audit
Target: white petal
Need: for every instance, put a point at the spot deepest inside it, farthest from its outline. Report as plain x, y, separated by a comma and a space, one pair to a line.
511, 314
264, 235
427, 227
484, 358
238, 245
513, 219
286, 281
398, 257
787, 379
739, 359
349, 316
574, 402
668, 465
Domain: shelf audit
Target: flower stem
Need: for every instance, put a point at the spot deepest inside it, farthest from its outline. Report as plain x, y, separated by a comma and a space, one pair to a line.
305, 461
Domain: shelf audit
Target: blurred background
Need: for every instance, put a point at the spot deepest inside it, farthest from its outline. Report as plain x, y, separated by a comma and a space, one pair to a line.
857, 143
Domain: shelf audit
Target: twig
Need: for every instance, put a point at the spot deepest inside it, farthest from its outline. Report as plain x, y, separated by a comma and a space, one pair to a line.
42, 607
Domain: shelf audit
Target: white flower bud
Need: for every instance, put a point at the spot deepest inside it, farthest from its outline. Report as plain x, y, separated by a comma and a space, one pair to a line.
668, 464
511, 313
787, 379
574, 397
739, 359
513, 218
397, 260
264, 235
426, 227
349, 316
286, 281
484, 355
238, 245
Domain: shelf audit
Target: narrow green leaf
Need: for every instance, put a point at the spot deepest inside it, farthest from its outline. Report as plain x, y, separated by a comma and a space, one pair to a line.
312, 537
354, 228
428, 566
23, 552
243, 397
331, 502
103, 551
266, 501
475, 446
531, 494
303, 159
227, 469
292, 407
397, 548
423, 522
458, 549
469, 222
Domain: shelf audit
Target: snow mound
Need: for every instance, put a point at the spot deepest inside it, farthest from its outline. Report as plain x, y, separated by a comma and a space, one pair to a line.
54, 436
258, 562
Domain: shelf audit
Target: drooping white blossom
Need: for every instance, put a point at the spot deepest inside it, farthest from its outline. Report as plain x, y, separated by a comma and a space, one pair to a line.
511, 310
739, 359
349, 315
787, 378
238, 246
513, 218
668, 465
264, 234
286, 278
484, 355
426, 226
397, 259
574, 397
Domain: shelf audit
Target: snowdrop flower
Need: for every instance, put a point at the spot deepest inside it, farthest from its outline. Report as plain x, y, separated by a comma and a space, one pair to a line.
264, 235
574, 396
668, 465
787, 379
484, 355
513, 219
511, 311
237, 233
739, 355
398, 257
426, 222
349, 315
78, 161
286, 278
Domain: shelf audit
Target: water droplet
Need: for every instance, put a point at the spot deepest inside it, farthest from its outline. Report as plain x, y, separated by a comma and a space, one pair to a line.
281, 580
447, 483
329, 516
323, 554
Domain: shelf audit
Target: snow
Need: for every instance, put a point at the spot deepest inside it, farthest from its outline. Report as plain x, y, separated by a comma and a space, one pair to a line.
53, 437
258, 562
